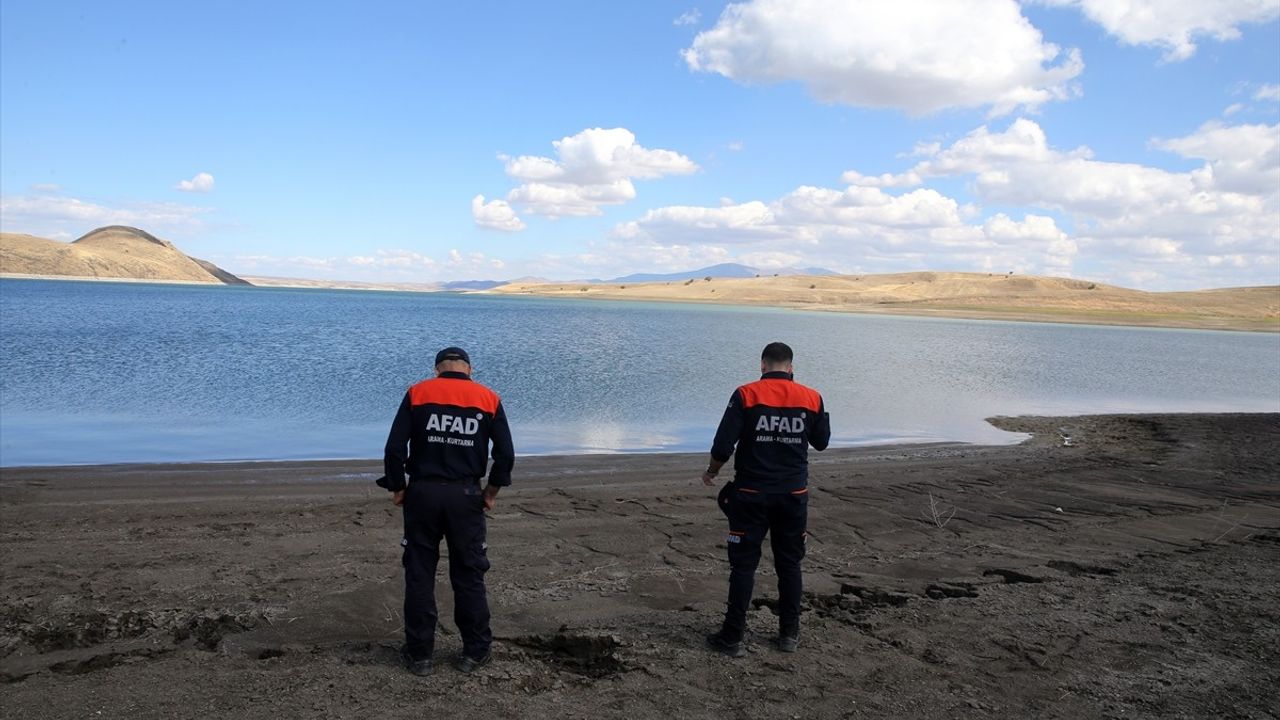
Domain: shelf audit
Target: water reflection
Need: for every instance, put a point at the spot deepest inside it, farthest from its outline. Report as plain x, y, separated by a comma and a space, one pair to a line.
114, 373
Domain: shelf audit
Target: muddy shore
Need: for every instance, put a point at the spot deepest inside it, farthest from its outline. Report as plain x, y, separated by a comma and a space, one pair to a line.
1111, 566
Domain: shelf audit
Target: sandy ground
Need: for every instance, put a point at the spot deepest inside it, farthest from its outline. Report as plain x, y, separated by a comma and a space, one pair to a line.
1112, 567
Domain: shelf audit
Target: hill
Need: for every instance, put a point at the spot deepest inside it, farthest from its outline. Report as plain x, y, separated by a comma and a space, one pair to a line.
953, 294
114, 252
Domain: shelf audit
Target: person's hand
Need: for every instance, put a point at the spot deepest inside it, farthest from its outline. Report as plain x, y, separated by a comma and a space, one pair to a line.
708, 479
490, 496
397, 498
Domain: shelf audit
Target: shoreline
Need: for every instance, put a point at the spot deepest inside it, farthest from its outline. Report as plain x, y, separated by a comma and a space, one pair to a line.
1129, 572
1048, 315
339, 465
529, 468
546, 463
114, 280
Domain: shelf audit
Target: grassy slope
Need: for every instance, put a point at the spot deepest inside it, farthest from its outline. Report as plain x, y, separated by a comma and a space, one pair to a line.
948, 294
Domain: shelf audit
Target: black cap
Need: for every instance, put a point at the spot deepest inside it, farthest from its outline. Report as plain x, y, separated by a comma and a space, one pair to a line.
453, 353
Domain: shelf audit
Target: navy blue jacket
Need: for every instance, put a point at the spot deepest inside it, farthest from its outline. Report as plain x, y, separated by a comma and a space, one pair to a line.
442, 431
772, 421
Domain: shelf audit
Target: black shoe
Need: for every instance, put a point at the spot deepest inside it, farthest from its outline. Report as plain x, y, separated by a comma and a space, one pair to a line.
723, 645
468, 664
787, 642
421, 668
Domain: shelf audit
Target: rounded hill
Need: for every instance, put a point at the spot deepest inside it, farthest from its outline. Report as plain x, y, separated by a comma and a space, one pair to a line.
114, 252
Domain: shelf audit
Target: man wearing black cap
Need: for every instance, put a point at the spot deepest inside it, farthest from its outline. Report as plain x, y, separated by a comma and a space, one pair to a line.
440, 439
772, 422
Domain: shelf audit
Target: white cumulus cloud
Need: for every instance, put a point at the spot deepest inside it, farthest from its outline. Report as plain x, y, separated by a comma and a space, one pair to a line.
921, 56
859, 229
592, 169
1174, 25
771, 260
495, 214
556, 199
597, 155
1130, 215
1128, 223
1240, 158
201, 183
884, 180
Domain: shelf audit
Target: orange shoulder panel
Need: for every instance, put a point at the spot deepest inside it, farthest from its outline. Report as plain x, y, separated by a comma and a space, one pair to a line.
451, 391
780, 394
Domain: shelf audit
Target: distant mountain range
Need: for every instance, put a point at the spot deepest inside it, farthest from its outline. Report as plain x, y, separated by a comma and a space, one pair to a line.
723, 270
487, 284
114, 252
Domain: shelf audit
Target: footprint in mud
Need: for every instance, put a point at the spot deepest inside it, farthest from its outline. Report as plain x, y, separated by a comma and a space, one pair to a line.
1075, 569
877, 596
594, 655
369, 653
944, 590
207, 630
1010, 577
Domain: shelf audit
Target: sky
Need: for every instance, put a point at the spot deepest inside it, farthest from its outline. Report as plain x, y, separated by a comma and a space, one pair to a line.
1133, 142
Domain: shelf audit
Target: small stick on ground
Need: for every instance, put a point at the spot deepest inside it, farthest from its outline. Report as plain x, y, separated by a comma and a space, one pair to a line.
936, 515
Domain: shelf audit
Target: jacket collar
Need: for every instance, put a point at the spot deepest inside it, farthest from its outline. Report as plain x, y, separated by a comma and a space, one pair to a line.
454, 375
776, 375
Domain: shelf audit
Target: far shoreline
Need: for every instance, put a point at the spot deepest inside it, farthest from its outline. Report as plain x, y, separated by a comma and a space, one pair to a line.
1046, 316
1051, 316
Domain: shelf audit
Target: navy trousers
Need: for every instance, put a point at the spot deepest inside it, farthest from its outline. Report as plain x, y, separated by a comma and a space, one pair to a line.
752, 515
455, 512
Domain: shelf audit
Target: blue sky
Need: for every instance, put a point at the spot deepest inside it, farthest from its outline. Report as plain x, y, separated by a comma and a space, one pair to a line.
1128, 141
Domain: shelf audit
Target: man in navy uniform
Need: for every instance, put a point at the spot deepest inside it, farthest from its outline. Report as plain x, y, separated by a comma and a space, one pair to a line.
440, 439
772, 421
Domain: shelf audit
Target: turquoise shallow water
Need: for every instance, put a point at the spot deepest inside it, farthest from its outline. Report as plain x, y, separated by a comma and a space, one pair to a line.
108, 372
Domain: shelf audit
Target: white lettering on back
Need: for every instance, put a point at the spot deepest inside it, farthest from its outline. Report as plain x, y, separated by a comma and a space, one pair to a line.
777, 423
452, 424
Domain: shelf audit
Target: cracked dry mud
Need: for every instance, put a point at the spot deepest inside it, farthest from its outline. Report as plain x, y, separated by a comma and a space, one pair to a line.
1130, 573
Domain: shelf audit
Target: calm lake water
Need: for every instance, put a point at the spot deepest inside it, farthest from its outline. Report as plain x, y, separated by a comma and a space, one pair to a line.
105, 372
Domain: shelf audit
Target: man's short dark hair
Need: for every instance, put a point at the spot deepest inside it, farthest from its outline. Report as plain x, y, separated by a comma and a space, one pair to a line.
776, 353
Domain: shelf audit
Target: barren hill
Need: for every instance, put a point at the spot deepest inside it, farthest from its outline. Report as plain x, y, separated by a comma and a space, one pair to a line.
953, 294
114, 252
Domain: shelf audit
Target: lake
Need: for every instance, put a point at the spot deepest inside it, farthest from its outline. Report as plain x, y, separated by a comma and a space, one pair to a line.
123, 372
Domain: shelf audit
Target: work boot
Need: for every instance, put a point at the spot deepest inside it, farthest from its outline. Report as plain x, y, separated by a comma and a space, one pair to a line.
788, 641
724, 644
468, 664
421, 668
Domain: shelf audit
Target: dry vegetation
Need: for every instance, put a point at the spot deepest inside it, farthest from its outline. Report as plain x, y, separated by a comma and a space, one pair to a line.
973, 295
115, 252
